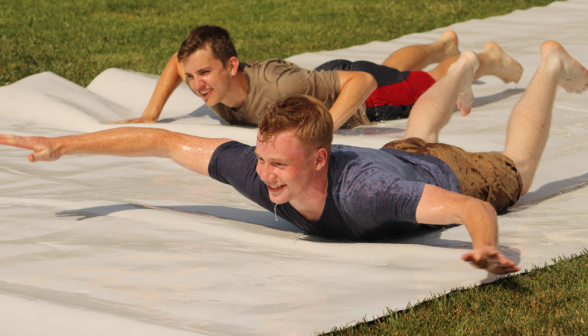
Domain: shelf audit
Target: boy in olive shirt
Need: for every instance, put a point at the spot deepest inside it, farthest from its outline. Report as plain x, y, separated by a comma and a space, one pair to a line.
356, 93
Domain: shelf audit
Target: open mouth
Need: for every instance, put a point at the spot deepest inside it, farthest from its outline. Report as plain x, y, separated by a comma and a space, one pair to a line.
204, 93
275, 188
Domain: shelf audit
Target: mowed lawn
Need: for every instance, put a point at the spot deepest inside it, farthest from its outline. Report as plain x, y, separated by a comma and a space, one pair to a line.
79, 39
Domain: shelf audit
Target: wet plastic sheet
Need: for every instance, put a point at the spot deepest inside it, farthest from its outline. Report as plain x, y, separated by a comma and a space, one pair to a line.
100, 245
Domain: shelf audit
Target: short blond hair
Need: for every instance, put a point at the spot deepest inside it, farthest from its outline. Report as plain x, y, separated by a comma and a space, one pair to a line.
306, 116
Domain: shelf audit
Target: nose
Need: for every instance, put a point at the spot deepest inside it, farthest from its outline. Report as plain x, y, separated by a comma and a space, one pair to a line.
265, 172
197, 83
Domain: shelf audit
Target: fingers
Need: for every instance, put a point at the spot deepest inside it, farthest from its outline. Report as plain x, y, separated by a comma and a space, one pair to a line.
465, 100
502, 269
480, 254
491, 260
463, 110
497, 267
38, 156
129, 121
15, 141
40, 146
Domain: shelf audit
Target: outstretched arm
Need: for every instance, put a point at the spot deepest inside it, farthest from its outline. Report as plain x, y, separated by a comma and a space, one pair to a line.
356, 86
189, 151
171, 77
440, 206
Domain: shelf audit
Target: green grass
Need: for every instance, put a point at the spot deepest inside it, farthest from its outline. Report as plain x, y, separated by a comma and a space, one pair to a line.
78, 39
544, 301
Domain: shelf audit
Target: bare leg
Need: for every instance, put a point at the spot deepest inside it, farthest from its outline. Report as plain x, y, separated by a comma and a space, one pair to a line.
528, 127
418, 57
434, 108
441, 69
493, 62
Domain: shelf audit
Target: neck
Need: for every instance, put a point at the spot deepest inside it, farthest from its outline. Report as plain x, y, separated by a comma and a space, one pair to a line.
237, 90
312, 203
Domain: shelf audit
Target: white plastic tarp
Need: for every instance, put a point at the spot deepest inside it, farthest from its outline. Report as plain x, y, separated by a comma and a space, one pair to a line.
140, 246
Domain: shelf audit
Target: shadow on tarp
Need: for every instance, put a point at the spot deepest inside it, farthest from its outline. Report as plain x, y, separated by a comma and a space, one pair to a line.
257, 217
427, 237
551, 190
432, 237
202, 111
479, 101
205, 111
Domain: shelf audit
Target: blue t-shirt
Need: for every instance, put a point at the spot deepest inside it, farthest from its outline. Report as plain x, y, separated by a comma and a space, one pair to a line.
372, 192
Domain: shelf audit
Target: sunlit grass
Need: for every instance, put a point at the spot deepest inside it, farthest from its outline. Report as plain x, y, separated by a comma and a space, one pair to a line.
545, 301
79, 39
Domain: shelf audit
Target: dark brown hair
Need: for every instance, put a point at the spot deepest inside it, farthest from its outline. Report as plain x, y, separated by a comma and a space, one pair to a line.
213, 37
306, 116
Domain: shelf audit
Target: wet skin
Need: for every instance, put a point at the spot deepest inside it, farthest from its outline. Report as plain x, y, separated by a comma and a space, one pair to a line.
210, 79
293, 173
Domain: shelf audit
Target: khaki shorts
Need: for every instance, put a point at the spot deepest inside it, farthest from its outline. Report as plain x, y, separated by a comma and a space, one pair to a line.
491, 177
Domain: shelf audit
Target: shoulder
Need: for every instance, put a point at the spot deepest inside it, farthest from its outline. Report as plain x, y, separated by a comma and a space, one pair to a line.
352, 153
274, 65
231, 158
350, 165
234, 148
355, 168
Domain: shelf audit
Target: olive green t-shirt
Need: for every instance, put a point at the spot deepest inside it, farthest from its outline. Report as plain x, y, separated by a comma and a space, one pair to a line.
274, 79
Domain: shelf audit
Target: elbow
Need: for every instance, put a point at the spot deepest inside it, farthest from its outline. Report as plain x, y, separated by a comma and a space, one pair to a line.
476, 209
489, 208
370, 81
482, 207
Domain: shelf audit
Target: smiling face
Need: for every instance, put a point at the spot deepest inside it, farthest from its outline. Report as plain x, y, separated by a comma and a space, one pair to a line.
288, 167
208, 77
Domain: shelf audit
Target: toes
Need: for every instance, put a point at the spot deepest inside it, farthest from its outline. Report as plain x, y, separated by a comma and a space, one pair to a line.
465, 100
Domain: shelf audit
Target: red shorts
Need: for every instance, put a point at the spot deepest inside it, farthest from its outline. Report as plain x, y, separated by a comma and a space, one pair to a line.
397, 90
403, 93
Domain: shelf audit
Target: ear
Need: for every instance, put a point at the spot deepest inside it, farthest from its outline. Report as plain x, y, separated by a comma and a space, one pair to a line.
321, 158
233, 65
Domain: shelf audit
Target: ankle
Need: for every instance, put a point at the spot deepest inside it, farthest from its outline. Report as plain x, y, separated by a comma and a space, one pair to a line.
551, 57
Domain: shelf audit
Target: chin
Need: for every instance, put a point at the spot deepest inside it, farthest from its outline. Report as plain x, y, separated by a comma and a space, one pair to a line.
279, 199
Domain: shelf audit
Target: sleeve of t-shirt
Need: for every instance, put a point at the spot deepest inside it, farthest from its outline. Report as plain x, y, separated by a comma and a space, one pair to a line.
374, 198
234, 163
322, 85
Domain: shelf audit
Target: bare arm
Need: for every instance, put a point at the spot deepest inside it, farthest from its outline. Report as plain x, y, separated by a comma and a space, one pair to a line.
439, 206
356, 86
171, 77
189, 151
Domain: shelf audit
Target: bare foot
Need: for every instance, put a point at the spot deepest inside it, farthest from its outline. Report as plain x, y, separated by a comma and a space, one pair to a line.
449, 45
573, 76
468, 63
497, 63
